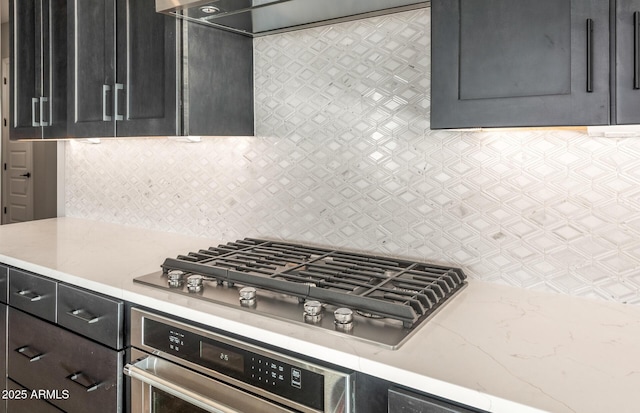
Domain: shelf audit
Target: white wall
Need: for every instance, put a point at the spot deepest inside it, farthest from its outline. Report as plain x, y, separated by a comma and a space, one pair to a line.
344, 157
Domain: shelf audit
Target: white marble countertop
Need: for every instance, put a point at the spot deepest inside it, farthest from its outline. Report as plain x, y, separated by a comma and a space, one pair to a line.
497, 348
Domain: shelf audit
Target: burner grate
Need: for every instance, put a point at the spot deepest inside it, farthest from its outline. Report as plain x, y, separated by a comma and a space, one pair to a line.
376, 286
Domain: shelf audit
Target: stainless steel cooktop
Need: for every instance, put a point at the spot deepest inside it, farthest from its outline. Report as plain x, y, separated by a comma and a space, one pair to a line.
375, 299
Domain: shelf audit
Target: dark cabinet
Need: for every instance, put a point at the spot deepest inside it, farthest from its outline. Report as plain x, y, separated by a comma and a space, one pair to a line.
405, 401
122, 69
107, 68
79, 374
24, 404
135, 72
32, 293
498, 63
218, 82
147, 101
627, 63
94, 316
62, 340
38, 52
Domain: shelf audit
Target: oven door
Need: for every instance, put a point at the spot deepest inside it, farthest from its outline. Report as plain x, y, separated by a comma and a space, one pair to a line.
160, 386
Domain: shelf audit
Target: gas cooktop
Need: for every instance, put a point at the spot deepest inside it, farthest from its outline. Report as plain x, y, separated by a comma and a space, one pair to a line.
375, 299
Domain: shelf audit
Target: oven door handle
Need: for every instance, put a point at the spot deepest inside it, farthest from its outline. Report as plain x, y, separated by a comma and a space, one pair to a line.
139, 370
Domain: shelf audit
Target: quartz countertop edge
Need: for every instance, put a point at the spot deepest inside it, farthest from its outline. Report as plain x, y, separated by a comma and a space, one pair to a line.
494, 347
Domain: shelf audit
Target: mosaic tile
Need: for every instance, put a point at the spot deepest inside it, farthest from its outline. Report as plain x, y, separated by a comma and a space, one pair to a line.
343, 156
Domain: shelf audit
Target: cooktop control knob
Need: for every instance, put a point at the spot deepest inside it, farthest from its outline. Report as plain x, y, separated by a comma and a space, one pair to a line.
175, 278
312, 311
247, 296
343, 318
247, 293
194, 283
312, 307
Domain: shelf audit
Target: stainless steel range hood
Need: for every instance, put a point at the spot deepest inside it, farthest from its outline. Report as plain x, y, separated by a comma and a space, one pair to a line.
262, 17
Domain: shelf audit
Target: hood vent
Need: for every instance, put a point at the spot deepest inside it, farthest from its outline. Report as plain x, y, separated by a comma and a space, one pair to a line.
262, 17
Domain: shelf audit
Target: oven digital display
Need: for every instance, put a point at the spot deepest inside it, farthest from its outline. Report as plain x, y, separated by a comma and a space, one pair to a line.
268, 373
221, 357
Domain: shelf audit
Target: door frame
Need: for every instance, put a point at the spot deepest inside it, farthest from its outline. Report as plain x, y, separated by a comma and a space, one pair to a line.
27, 147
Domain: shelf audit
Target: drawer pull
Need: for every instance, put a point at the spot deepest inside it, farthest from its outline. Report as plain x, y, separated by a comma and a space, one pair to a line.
80, 379
32, 355
84, 316
30, 295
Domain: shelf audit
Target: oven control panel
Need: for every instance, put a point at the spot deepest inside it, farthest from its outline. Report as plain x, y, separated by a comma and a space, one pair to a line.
276, 374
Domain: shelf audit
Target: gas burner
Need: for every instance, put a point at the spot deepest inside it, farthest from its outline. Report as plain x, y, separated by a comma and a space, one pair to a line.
369, 315
376, 299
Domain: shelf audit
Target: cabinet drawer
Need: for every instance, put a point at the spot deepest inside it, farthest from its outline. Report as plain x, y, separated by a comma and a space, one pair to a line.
34, 294
28, 405
80, 374
92, 315
4, 277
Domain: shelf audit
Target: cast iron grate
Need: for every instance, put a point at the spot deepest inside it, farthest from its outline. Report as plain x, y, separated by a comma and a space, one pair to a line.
378, 287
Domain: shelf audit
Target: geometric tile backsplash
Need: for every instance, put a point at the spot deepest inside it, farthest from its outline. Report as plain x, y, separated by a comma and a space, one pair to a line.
343, 156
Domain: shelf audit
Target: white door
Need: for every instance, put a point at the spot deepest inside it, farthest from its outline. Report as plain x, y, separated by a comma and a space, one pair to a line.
17, 166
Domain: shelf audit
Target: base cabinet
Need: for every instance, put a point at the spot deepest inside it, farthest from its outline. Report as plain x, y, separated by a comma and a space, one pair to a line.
405, 401
64, 347
22, 400
70, 371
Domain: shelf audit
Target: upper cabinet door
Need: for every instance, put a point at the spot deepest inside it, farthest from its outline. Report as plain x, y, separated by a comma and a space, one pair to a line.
25, 69
147, 86
498, 63
54, 69
91, 68
38, 69
627, 93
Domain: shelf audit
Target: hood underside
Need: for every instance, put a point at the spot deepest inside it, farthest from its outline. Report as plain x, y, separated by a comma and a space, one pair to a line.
262, 17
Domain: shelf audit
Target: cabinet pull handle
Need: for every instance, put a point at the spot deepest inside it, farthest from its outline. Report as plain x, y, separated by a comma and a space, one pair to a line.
29, 295
76, 377
32, 355
589, 55
43, 100
34, 111
636, 50
119, 86
84, 316
105, 90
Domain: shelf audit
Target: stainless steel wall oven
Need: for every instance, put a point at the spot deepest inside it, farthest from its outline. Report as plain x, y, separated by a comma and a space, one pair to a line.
178, 367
